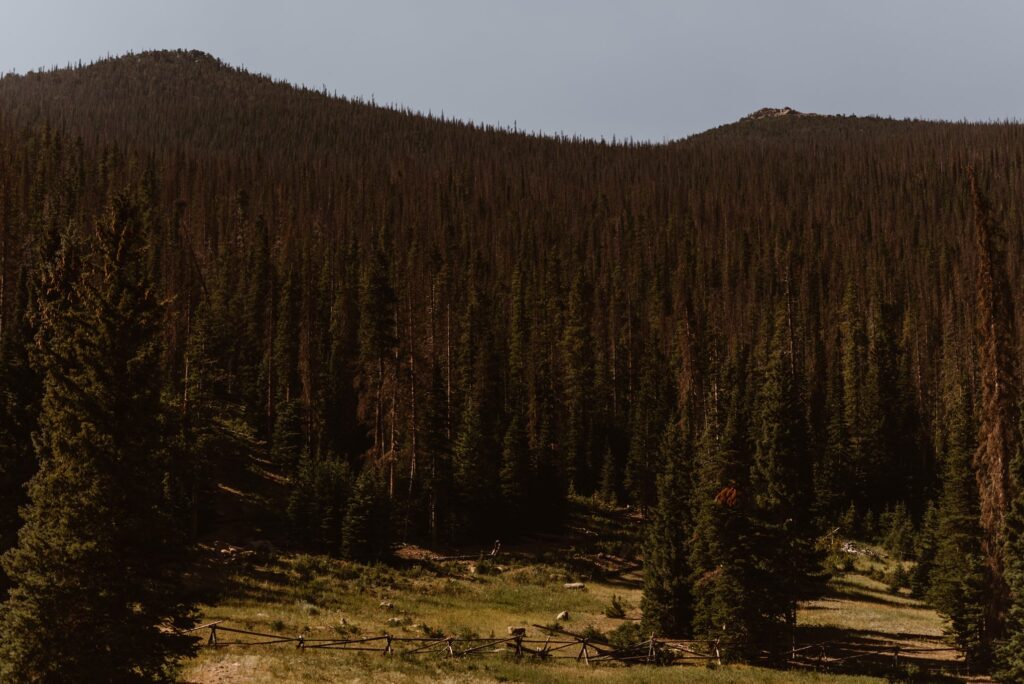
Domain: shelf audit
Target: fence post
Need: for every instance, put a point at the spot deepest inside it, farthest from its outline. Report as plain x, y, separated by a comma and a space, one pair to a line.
519, 645
302, 641
212, 641
387, 645
583, 653
451, 652
650, 650
896, 656
718, 654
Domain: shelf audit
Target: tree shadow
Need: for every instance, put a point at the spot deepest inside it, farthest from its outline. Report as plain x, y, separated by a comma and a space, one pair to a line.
874, 652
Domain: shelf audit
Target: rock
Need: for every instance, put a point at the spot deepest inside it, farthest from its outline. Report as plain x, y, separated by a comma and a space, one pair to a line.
575, 586
387, 605
772, 113
563, 616
516, 631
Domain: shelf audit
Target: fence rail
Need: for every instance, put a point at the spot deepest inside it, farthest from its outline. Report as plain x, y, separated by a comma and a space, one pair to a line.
561, 644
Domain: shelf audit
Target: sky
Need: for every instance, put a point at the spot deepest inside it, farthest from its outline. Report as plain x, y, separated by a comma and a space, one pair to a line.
641, 70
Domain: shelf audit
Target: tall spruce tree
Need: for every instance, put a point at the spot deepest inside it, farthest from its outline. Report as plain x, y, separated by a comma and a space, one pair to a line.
781, 486
515, 476
19, 390
958, 581
1011, 650
725, 574
95, 592
667, 603
366, 531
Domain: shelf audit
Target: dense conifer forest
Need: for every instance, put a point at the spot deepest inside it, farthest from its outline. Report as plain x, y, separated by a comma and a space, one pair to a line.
438, 333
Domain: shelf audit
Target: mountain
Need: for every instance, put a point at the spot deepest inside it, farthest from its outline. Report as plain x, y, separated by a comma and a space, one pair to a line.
378, 325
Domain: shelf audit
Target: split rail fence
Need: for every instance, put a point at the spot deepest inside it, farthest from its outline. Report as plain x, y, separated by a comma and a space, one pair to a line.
560, 644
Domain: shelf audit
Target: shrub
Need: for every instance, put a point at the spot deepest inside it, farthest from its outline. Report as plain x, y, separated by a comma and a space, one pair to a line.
626, 635
898, 579
616, 610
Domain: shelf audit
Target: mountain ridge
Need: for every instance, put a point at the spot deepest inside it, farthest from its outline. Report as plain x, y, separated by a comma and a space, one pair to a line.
170, 67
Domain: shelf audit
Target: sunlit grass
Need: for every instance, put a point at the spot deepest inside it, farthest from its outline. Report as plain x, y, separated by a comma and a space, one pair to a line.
322, 597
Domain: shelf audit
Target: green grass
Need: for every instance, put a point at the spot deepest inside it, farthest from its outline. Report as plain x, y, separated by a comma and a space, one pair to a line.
286, 665
321, 597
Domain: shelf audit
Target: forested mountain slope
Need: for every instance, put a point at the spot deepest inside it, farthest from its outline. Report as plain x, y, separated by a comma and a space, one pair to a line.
454, 326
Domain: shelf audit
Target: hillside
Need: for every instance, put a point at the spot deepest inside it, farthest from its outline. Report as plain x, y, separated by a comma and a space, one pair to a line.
374, 328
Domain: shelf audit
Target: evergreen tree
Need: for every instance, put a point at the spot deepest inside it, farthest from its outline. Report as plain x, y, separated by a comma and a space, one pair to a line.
367, 528
475, 477
925, 547
647, 421
1010, 663
831, 471
376, 336
725, 579
781, 485
319, 502
99, 553
609, 478
515, 476
19, 390
667, 603
578, 381
436, 448
958, 579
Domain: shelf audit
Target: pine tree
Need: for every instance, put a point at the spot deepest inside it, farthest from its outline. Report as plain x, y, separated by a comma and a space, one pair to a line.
366, 531
781, 485
515, 476
609, 478
831, 471
99, 552
436, 449
648, 418
475, 477
376, 336
925, 547
578, 379
958, 581
725, 580
1010, 663
19, 390
667, 603
319, 502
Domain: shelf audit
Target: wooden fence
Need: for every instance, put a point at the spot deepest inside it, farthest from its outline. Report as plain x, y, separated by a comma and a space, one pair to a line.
558, 644
565, 645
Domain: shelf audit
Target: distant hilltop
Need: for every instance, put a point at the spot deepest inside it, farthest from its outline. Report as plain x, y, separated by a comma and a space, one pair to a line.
774, 113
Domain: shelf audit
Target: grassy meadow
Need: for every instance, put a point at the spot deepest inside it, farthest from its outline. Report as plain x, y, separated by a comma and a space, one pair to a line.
421, 594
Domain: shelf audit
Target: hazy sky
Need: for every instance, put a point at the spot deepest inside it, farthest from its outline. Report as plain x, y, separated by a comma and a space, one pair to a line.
646, 70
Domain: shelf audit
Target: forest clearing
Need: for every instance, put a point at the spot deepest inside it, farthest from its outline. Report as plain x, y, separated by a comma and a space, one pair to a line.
418, 595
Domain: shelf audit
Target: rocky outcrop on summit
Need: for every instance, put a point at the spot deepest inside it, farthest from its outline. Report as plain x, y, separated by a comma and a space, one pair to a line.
773, 113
